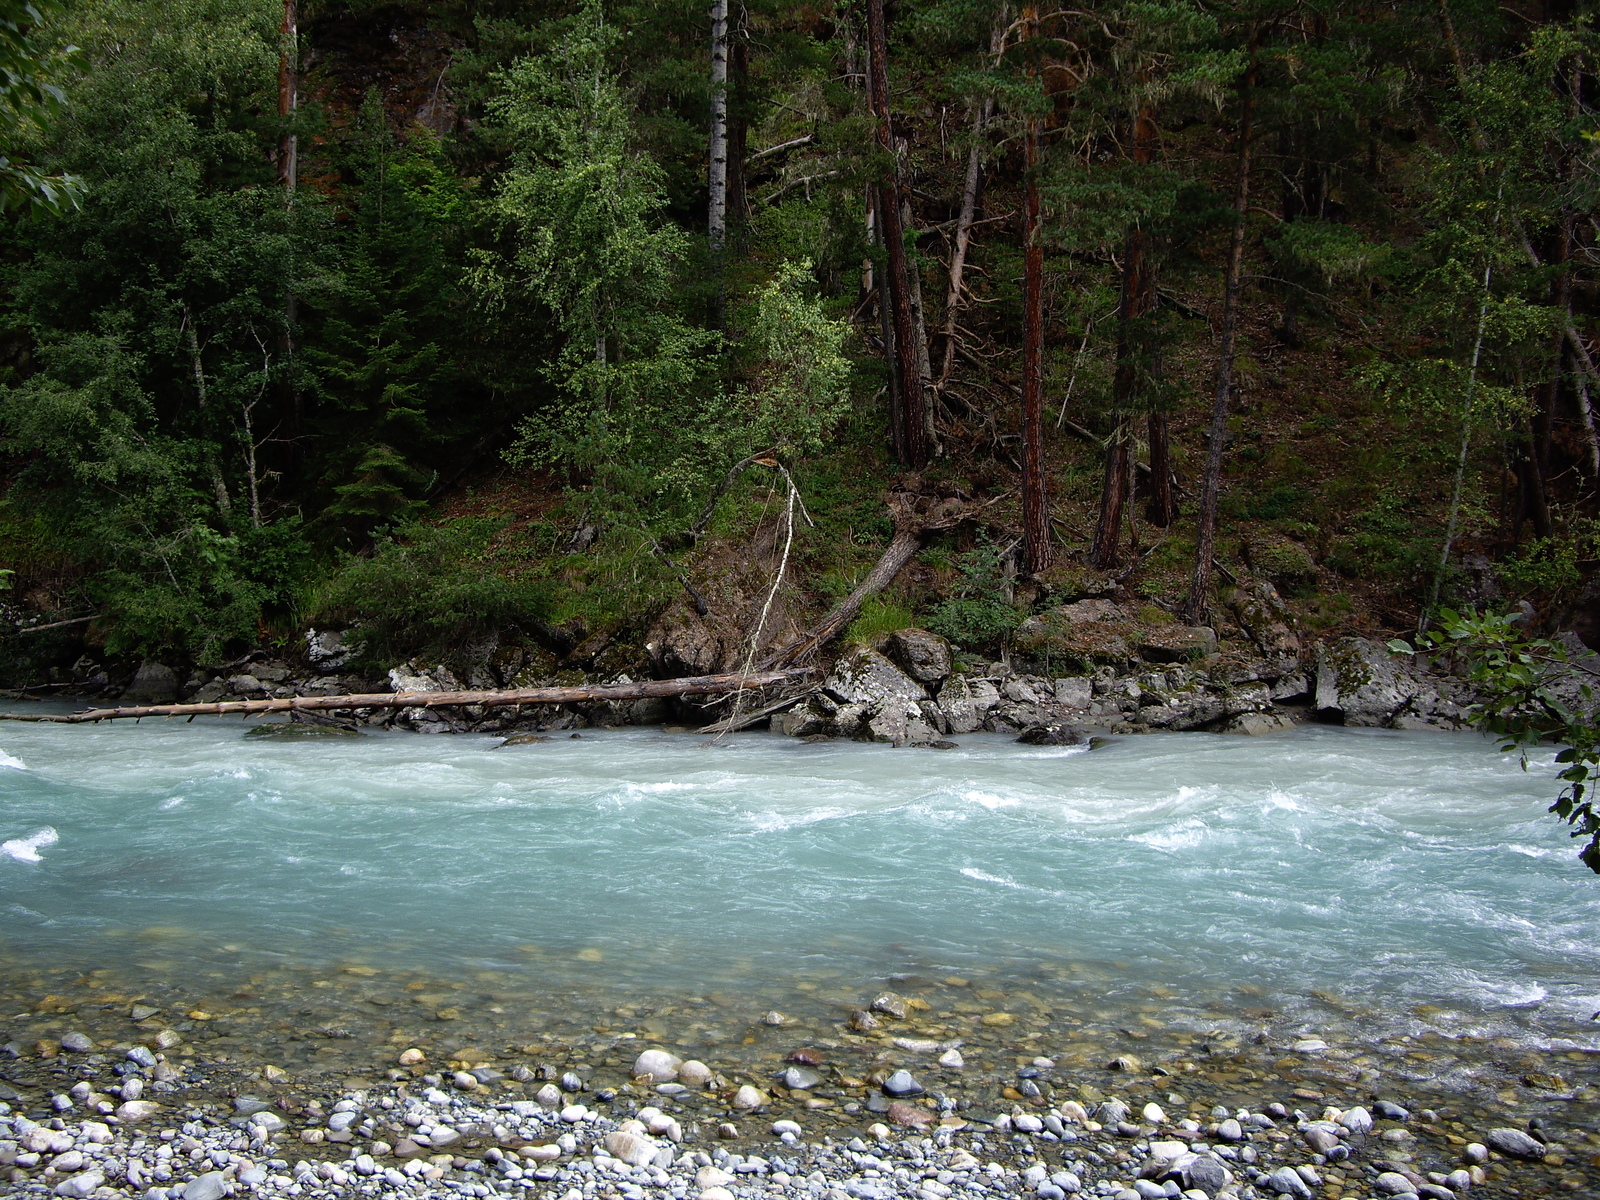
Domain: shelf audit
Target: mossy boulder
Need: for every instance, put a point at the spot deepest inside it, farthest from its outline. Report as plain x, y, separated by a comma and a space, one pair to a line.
1083, 635
1284, 561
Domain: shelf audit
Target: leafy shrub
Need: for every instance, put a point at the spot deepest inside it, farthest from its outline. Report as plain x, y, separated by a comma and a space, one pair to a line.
429, 586
978, 614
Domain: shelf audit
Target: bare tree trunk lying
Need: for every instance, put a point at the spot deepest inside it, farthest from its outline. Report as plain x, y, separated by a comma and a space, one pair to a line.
650, 689
914, 518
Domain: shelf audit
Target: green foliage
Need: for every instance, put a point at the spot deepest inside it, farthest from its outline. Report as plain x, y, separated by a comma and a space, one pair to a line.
429, 586
581, 208
1521, 702
1552, 565
978, 613
878, 618
31, 71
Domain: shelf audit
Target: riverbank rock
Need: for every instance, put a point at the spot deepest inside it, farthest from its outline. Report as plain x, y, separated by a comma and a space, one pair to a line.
863, 676
965, 703
1177, 643
1086, 634
923, 656
153, 683
1270, 627
328, 652
1359, 682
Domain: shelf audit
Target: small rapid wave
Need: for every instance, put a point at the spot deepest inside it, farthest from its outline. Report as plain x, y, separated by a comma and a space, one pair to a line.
11, 761
27, 849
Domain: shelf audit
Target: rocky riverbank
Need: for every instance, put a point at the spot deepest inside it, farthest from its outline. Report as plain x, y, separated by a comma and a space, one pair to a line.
1090, 666
872, 1108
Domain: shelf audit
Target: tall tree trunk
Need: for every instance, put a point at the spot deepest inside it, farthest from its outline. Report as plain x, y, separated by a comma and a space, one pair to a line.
919, 329
288, 94
1198, 606
219, 486
717, 206
288, 178
1035, 499
969, 204
912, 447
738, 130
1138, 297
958, 256
1162, 510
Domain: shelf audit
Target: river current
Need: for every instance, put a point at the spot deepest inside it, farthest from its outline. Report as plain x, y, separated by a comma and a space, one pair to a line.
1323, 881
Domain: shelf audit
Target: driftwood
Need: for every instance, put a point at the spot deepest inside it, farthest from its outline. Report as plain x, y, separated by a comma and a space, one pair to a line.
650, 689
744, 720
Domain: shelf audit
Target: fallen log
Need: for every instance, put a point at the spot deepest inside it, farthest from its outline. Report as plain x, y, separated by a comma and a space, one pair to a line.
915, 517
650, 689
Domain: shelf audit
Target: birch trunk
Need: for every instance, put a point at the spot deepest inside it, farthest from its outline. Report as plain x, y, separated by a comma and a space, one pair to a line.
717, 212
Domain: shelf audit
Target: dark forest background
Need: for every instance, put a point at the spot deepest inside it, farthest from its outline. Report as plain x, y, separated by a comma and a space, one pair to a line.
1318, 277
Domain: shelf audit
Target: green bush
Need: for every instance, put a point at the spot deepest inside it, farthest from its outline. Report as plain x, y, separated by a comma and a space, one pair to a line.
428, 587
978, 614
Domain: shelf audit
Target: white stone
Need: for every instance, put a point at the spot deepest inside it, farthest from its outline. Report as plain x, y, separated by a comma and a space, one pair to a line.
1154, 1113
635, 1149
748, 1097
81, 1185
135, 1111
782, 1127
210, 1186
712, 1177
695, 1074
952, 1059
660, 1066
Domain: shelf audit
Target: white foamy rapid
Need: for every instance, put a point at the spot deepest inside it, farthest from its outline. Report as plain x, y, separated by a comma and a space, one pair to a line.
9, 761
26, 849
1386, 869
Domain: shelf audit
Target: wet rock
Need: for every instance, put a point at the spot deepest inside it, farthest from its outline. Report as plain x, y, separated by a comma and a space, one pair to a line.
141, 1012
909, 1116
411, 1057
1051, 735
134, 1111
774, 1018
952, 1059
1256, 724
922, 655
1388, 1111
890, 1003
1392, 1183
1475, 1153
863, 1021
153, 683
1513, 1143
658, 1065
1230, 1131
748, 1097
549, 1095
79, 1043
523, 739
799, 1078
902, 1083
695, 1074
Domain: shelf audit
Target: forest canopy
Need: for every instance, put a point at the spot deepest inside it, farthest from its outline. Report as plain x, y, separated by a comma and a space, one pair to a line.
307, 303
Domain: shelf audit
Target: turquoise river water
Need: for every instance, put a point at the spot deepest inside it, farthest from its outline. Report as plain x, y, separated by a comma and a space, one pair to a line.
1321, 878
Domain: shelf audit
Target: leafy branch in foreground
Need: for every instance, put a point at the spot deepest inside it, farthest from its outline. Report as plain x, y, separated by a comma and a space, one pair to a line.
1527, 697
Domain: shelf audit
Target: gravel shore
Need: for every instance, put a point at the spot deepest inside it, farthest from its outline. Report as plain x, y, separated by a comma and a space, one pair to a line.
141, 1121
